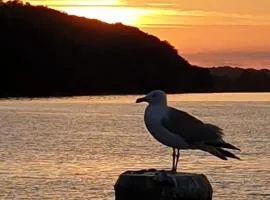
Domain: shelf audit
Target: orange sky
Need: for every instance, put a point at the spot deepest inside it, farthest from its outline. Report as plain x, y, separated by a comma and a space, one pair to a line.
205, 32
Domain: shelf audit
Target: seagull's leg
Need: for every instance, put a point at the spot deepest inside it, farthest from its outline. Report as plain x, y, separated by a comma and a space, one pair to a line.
173, 162
177, 159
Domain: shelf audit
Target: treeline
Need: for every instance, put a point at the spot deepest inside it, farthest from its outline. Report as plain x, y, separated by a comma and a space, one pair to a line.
50, 53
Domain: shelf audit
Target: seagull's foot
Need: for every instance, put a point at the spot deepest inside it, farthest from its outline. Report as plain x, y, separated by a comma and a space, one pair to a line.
174, 170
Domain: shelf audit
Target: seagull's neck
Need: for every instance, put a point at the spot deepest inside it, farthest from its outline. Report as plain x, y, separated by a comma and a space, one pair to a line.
159, 104
153, 115
156, 111
162, 105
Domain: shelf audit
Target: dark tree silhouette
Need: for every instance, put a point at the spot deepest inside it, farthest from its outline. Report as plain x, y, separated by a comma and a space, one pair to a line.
50, 53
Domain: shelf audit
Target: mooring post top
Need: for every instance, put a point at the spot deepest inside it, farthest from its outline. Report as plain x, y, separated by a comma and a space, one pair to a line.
156, 172
154, 184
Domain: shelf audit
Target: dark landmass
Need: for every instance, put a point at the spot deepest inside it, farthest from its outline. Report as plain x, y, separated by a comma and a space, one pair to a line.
234, 79
45, 52
49, 53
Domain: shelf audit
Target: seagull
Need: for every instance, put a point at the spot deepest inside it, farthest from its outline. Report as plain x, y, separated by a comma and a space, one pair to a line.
180, 130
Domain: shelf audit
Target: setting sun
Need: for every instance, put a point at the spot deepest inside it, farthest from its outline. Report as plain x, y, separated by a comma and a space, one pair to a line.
128, 16
110, 11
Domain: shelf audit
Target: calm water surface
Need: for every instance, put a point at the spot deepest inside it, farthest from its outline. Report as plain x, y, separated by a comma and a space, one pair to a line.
75, 148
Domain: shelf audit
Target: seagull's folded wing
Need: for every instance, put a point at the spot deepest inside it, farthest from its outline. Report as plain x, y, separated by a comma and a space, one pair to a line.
191, 129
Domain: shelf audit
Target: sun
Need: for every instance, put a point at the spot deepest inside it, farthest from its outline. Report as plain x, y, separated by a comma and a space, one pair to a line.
110, 11
128, 16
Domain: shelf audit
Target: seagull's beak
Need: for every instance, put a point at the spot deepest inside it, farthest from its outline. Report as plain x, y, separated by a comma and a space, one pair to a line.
142, 99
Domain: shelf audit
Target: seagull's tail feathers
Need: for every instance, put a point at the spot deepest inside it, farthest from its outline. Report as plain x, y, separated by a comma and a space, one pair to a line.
228, 154
214, 151
223, 144
219, 152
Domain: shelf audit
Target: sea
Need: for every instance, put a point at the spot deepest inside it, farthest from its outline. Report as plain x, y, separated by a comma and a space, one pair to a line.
76, 147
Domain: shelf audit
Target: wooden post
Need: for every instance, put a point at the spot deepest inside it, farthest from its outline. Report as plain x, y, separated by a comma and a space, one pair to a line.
162, 185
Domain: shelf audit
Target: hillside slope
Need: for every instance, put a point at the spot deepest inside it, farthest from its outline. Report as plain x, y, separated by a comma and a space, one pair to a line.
49, 53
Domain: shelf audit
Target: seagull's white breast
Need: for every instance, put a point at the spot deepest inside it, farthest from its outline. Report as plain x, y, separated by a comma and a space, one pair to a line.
153, 120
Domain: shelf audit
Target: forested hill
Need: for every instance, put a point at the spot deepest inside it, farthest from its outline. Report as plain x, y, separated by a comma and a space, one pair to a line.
45, 52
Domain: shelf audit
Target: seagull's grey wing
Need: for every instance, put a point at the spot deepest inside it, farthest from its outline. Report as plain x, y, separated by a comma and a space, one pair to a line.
191, 129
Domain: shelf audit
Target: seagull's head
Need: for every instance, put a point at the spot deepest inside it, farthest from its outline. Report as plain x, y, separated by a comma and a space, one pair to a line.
154, 97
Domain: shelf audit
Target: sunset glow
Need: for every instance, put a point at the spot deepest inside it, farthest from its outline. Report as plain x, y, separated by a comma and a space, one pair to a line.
110, 11
224, 32
128, 16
